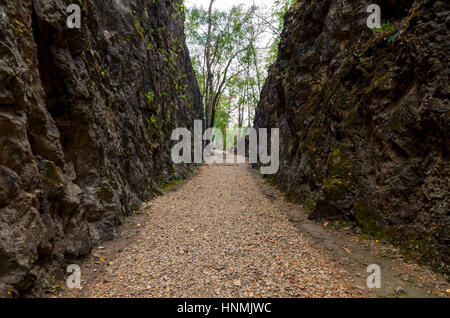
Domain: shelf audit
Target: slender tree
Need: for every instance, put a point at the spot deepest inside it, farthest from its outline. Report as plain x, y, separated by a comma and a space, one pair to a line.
230, 55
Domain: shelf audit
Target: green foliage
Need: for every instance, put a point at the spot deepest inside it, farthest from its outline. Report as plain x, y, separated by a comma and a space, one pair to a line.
150, 99
179, 9
310, 205
387, 27
150, 96
234, 59
279, 10
19, 28
154, 129
139, 27
240, 54
152, 121
170, 184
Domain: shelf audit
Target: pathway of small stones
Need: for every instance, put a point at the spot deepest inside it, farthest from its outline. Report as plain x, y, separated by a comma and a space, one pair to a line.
218, 236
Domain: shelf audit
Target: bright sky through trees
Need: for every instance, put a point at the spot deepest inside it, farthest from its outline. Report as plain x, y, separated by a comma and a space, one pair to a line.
227, 4
231, 54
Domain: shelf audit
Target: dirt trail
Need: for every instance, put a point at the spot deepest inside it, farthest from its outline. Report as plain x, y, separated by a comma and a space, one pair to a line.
225, 233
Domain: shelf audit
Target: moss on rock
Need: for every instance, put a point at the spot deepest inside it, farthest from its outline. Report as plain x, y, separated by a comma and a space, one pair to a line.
52, 174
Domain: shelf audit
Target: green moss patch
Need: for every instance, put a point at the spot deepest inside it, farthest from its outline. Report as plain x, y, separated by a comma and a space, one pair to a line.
52, 174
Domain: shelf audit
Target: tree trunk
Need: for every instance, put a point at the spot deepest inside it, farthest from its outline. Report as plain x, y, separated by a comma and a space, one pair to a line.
208, 87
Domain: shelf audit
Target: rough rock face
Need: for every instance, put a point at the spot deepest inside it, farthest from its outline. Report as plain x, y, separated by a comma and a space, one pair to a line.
85, 122
364, 118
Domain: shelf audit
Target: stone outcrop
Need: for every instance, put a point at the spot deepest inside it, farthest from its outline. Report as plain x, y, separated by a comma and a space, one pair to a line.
364, 118
86, 117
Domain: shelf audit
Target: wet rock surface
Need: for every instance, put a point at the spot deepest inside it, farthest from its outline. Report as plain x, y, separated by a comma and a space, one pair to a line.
364, 119
85, 122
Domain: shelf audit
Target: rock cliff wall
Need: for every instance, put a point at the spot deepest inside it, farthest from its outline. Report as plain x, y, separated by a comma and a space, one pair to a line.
85, 122
365, 119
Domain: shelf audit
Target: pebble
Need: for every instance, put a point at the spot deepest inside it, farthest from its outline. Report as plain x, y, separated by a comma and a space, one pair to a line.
400, 290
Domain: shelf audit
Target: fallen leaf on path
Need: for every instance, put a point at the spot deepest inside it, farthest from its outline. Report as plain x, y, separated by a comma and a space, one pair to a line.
347, 250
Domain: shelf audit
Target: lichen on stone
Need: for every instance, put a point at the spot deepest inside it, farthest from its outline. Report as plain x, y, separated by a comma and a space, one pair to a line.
52, 174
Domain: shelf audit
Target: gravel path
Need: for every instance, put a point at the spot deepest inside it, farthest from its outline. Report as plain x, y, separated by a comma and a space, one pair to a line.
218, 236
